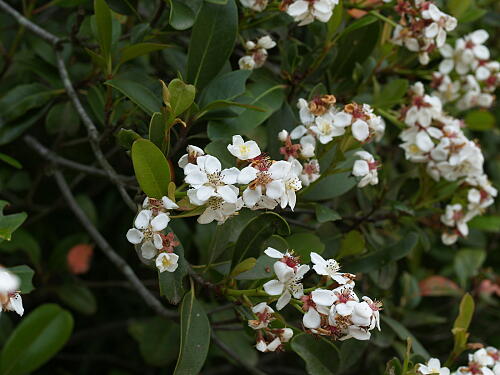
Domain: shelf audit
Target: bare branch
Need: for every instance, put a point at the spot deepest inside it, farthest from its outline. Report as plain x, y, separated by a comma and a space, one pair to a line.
53, 157
113, 256
44, 34
226, 349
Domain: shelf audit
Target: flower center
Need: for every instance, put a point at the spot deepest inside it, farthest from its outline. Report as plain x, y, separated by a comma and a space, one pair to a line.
215, 179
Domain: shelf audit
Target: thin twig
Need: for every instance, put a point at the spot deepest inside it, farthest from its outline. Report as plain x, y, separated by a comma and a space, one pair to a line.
226, 349
113, 256
53, 157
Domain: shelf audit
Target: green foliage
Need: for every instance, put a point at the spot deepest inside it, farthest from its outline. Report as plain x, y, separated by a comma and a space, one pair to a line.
9, 223
36, 339
151, 168
321, 356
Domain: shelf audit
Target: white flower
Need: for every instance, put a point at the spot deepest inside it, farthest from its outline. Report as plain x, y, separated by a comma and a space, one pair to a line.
192, 153
329, 268
360, 130
283, 135
454, 216
310, 172
266, 42
262, 346
288, 283
247, 63
482, 358
305, 12
257, 5
8, 281
15, 304
217, 208
167, 262
323, 299
264, 315
324, 128
345, 301
243, 150
209, 180
366, 168
433, 366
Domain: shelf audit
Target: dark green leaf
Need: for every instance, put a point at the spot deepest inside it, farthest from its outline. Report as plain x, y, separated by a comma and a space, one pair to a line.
172, 283
11, 161
254, 234
181, 96
9, 223
138, 93
391, 94
127, 137
158, 131
467, 263
325, 214
352, 243
182, 16
304, 243
78, 297
62, 118
104, 27
321, 356
38, 337
330, 186
404, 334
212, 41
25, 275
226, 86
480, 120
195, 337
139, 49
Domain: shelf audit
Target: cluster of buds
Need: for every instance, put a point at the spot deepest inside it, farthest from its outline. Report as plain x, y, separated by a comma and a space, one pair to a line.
467, 77
268, 339
322, 122
434, 138
10, 299
256, 53
148, 236
422, 28
335, 310
264, 182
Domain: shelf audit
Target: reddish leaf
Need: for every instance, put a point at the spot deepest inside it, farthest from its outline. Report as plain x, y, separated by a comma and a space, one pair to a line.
436, 286
79, 257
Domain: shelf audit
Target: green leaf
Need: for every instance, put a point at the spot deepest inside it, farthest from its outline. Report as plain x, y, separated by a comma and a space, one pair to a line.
11, 161
467, 263
335, 20
353, 243
330, 187
212, 41
195, 337
358, 24
127, 137
9, 223
181, 96
151, 168
22, 240
255, 233
304, 243
325, 214
480, 120
158, 340
138, 93
139, 49
21, 99
25, 275
158, 131
172, 283
182, 16
404, 334
62, 118
320, 355
78, 297
459, 7
263, 95
103, 22
489, 223
466, 312
245, 266
391, 94
226, 86
262, 269
379, 258
38, 337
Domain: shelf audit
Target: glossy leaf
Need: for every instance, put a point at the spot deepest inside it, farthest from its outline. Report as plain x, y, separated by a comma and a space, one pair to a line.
305, 243
9, 223
103, 25
181, 96
404, 334
226, 86
151, 168
172, 283
78, 297
39, 336
138, 93
352, 243
25, 275
139, 49
195, 337
212, 41
321, 356
467, 263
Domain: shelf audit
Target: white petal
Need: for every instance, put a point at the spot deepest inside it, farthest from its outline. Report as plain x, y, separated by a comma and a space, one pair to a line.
148, 250
142, 219
247, 175
323, 297
16, 304
275, 189
280, 169
227, 194
160, 222
360, 168
283, 272
168, 203
283, 300
230, 175
203, 193
311, 319
212, 164
135, 236
273, 253
274, 287
360, 130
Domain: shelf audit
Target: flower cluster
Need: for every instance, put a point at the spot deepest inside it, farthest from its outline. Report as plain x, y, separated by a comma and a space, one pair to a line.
467, 76
484, 361
10, 299
256, 53
306, 11
268, 339
334, 310
434, 138
422, 28
322, 122
265, 183
148, 229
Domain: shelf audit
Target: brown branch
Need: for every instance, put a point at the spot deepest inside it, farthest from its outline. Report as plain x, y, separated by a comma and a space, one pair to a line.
113, 256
